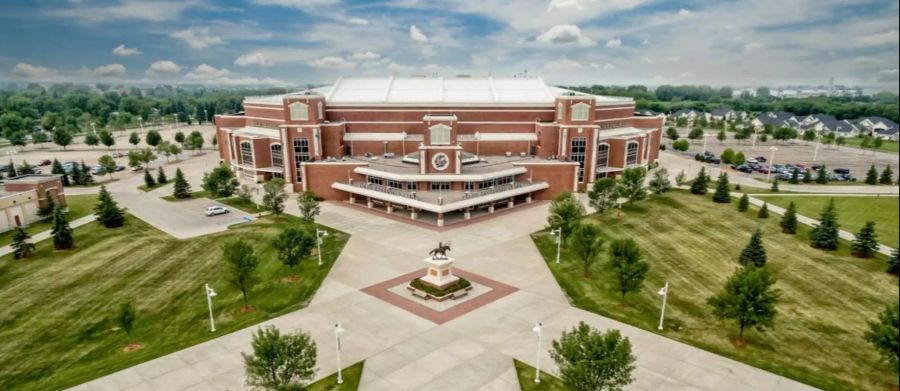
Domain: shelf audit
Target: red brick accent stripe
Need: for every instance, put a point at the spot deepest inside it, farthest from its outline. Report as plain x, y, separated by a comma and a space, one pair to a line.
498, 291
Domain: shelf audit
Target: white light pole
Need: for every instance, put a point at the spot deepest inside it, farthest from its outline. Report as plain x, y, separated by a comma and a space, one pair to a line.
537, 370
205, 116
772, 149
816, 151
141, 123
210, 293
755, 136
558, 233
94, 129
176, 121
664, 292
320, 233
704, 143
337, 340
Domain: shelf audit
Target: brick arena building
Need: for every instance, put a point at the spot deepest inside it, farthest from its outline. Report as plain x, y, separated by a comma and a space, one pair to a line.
440, 150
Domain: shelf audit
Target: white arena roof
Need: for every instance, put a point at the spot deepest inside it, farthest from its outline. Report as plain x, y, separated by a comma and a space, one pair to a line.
441, 91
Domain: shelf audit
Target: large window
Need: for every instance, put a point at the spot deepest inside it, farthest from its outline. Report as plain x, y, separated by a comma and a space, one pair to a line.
440, 186
631, 153
301, 154
504, 180
440, 134
578, 147
277, 155
246, 153
468, 186
580, 111
602, 160
487, 184
299, 111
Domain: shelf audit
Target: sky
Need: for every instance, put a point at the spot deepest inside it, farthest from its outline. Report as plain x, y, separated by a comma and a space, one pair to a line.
297, 42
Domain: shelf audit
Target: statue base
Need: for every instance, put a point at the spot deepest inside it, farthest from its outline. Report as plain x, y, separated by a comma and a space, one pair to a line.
440, 273
440, 281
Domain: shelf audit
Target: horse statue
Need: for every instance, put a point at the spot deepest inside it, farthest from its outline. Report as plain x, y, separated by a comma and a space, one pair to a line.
440, 252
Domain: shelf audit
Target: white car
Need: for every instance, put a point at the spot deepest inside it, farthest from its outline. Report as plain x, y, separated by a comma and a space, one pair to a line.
216, 210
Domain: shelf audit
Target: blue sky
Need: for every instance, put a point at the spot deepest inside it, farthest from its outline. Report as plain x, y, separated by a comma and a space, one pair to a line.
737, 42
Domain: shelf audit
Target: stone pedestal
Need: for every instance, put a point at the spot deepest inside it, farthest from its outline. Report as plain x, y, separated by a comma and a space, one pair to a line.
440, 273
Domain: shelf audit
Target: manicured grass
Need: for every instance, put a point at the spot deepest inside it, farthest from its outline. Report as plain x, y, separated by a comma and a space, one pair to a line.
242, 204
57, 323
351, 376
853, 212
79, 206
548, 382
888, 146
144, 188
827, 297
196, 194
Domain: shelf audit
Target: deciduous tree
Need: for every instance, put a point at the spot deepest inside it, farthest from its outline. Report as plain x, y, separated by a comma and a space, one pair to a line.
589, 359
134, 139
309, 206
242, 262
660, 182
565, 212
280, 361
294, 244
631, 184
631, 269
220, 182
274, 196
747, 298
586, 243
153, 138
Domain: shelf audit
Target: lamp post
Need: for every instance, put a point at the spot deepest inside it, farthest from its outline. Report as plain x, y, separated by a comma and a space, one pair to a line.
755, 136
205, 115
176, 121
772, 150
664, 292
141, 123
537, 370
210, 293
320, 233
816, 150
558, 233
337, 341
704, 143
93, 129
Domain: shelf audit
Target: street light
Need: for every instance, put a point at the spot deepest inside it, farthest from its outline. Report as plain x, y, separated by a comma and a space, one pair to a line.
94, 129
664, 292
537, 371
210, 293
141, 123
337, 340
320, 233
772, 149
816, 151
558, 233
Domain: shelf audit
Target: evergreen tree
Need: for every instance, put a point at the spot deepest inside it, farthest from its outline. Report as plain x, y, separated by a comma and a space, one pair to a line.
57, 168
161, 176
744, 203
748, 299
884, 335
61, 232
699, 186
775, 186
85, 174
107, 210
722, 194
11, 171
754, 253
660, 182
789, 220
77, 177
182, 188
865, 244
49, 204
148, 180
22, 247
807, 177
872, 176
822, 175
894, 262
887, 176
825, 235
764, 211
795, 176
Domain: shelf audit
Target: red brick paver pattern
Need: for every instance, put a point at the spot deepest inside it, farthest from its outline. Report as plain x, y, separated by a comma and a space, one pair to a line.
498, 291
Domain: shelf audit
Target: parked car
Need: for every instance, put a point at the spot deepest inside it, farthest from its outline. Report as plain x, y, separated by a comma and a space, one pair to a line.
97, 170
46, 162
843, 171
137, 168
762, 168
714, 160
216, 210
120, 168
709, 153
36, 169
118, 154
760, 159
801, 166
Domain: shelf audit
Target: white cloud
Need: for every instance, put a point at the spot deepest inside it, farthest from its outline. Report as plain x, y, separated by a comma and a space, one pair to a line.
565, 5
162, 67
365, 56
121, 50
358, 21
645, 42
248, 59
28, 71
614, 43
687, 74
888, 75
753, 46
563, 64
417, 35
564, 34
207, 72
197, 37
299, 4
331, 62
646, 59
104, 71
605, 67
684, 12
673, 59
153, 11
878, 39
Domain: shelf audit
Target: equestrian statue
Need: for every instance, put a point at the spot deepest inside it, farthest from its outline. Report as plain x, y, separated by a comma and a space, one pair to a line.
440, 252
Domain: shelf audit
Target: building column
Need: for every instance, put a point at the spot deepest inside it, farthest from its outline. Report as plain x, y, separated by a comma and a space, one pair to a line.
352, 199
528, 198
390, 208
412, 214
467, 213
440, 219
511, 203
491, 208
369, 203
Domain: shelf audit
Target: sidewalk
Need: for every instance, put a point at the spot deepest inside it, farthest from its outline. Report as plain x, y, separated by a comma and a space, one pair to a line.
46, 234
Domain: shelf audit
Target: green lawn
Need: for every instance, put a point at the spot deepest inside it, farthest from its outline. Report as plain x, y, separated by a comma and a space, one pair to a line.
853, 212
196, 194
694, 244
242, 204
548, 382
888, 146
57, 322
79, 206
351, 376
145, 189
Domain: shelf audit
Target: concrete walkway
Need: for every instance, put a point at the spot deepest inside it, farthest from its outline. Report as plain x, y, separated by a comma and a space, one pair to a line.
46, 234
886, 250
407, 352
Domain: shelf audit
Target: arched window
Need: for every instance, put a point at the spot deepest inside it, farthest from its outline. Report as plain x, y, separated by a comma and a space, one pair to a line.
580, 111
246, 153
602, 155
277, 155
631, 153
299, 111
440, 134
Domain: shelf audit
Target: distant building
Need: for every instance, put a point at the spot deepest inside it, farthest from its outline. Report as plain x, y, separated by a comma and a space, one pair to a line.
777, 119
23, 197
888, 134
872, 125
